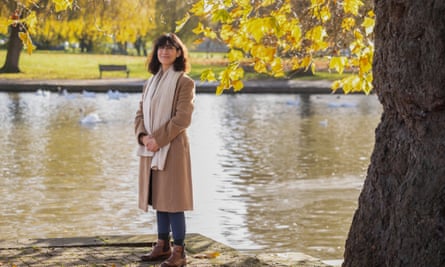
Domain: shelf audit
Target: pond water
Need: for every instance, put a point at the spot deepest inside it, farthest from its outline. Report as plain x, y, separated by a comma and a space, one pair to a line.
277, 173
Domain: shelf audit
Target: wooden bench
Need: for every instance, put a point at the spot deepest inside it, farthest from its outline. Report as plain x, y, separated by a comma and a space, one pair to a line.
113, 68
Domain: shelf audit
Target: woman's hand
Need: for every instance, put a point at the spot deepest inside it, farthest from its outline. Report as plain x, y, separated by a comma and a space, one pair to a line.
150, 143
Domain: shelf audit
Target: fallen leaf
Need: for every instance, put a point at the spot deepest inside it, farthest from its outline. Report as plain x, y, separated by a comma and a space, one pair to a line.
207, 255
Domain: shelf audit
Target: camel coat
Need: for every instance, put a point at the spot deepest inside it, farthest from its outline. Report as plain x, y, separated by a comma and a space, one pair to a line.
169, 190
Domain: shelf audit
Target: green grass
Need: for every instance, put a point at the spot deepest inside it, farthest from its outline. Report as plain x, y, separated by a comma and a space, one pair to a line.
60, 65
57, 65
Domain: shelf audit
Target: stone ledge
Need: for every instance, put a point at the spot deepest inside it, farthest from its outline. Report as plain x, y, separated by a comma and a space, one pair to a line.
125, 250
135, 86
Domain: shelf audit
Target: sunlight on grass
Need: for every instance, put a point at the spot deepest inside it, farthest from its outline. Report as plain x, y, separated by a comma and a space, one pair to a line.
60, 65
49, 65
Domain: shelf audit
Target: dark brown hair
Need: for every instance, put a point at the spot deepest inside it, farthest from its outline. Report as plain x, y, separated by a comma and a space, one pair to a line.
168, 39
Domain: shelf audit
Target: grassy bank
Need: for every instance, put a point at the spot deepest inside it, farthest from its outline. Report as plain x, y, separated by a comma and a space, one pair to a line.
61, 65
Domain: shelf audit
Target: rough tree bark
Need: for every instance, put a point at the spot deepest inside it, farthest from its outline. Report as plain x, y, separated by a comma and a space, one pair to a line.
15, 47
400, 220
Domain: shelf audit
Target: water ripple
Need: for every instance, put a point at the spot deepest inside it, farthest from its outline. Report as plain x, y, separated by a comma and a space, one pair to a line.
272, 172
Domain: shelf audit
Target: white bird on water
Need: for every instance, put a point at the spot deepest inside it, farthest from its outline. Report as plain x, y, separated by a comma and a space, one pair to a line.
66, 94
88, 94
324, 123
90, 118
41, 92
116, 94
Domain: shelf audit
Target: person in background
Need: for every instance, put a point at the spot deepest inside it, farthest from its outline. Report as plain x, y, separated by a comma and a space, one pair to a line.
165, 179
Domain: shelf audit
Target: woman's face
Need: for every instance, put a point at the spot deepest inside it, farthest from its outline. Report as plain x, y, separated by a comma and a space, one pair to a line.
167, 54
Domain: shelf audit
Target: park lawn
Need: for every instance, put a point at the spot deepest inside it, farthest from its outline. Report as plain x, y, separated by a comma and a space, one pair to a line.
60, 65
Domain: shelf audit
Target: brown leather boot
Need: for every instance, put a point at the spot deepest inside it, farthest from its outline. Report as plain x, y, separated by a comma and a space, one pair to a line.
160, 251
177, 259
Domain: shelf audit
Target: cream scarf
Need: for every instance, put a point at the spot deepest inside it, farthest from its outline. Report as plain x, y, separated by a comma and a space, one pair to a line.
157, 102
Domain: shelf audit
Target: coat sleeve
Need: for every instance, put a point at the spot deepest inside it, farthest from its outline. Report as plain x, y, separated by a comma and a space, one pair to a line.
139, 127
182, 114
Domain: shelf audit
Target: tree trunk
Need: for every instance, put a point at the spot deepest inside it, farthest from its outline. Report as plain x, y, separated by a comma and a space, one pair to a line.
400, 220
15, 47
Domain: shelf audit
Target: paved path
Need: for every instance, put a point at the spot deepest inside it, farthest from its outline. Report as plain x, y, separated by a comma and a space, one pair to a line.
135, 85
114, 251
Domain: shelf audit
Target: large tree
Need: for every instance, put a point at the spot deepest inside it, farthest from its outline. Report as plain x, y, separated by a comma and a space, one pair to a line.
400, 220
15, 45
20, 19
89, 22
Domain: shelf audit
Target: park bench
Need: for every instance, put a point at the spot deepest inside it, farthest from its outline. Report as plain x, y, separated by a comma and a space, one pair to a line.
113, 68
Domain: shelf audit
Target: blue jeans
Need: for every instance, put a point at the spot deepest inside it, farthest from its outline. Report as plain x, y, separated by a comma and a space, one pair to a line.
174, 221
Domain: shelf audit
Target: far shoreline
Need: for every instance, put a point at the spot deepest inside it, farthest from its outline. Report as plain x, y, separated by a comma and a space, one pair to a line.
135, 86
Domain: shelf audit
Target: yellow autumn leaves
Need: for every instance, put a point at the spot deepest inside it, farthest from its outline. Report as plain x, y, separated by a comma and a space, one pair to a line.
28, 24
272, 37
251, 36
61, 5
94, 21
276, 37
360, 60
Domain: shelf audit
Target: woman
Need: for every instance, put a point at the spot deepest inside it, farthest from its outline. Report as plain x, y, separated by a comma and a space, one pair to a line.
164, 114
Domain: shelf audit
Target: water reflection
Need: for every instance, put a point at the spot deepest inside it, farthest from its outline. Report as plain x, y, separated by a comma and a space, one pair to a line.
289, 168
271, 172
